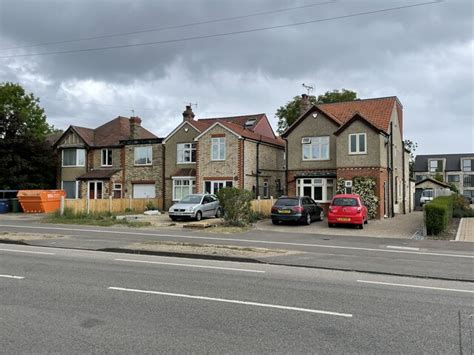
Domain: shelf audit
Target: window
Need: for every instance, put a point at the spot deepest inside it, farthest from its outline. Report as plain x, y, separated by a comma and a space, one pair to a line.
182, 188
315, 148
453, 178
218, 148
467, 164
71, 188
358, 143
74, 157
468, 181
117, 192
436, 166
320, 190
106, 157
186, 153
212, 187
143, 155
95, 189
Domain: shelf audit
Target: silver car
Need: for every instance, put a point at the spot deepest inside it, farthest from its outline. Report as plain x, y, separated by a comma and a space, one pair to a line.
196, 206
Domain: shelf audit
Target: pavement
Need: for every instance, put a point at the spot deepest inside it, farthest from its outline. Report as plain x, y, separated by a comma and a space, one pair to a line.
384, 256
74, 301
466, 230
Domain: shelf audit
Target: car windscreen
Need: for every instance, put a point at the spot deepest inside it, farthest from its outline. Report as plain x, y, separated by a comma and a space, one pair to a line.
344, 201
428, 193
288, 202
191, 199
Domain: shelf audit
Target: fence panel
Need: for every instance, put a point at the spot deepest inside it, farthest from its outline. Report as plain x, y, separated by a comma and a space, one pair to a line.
263, 207
112, 205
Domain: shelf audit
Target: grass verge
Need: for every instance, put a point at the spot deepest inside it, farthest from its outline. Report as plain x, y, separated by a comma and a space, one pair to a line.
104, 219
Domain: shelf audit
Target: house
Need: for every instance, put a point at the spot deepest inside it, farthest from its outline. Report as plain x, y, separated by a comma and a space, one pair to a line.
457, 169
207, 154
119, 159
345, 140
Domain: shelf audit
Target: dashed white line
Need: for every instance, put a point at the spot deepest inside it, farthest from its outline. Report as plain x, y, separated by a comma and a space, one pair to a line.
225, 300
190, 265
415, 286
27, 251
401, 247
12, 277
248, 241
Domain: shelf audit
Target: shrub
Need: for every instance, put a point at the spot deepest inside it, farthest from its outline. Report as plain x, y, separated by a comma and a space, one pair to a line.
236, 206
438, 213
463, 213
150, 206
459, 202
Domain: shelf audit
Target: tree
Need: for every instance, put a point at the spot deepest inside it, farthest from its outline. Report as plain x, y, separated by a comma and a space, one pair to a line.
27, 160
288, 113
411, 146
439, 177
236, 205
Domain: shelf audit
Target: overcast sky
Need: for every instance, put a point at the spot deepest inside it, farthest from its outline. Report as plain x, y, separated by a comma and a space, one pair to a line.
423, 55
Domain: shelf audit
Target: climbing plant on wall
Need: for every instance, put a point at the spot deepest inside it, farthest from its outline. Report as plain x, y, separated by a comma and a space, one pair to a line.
365, 188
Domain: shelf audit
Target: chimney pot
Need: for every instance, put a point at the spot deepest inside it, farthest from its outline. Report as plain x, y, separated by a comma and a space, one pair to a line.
188, 114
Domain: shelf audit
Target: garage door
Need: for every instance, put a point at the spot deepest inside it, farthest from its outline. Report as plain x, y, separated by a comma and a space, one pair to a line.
143, 190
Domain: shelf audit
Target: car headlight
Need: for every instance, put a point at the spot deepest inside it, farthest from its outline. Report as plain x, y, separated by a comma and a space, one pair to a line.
190, 209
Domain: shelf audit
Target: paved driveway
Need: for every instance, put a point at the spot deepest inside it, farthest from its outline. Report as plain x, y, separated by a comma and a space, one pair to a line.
402, 226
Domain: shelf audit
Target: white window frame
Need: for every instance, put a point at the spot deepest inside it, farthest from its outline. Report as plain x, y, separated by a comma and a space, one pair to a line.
315, 141
77, 188
108, 154
191, 186
77, 158
462, 165
212, 192
357, 151
149, 156
96, 184
181, 149
437, 166
218, 142
115, 185
324, 183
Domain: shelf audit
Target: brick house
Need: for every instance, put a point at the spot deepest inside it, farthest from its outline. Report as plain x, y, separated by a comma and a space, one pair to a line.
205, 155
361, 138
120, 159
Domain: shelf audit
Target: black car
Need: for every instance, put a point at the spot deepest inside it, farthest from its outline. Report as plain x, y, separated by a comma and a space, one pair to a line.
296, 209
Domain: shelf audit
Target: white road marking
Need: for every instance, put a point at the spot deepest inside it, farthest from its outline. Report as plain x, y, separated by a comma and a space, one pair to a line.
246, 241
27, 251
415, 286
401, 248
12, 277
189, 265
233, 301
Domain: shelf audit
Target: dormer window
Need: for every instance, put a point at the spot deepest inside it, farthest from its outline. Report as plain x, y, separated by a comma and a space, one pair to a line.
468, 165
250, 122
436, 166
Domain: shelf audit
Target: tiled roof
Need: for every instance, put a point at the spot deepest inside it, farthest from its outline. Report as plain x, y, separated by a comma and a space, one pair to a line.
111, 133
98, 174
241, 131
377, 111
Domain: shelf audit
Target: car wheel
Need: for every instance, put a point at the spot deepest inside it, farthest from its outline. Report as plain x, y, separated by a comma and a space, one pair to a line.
321, 215
274, 221
198, 215
219, 213
331, 225
361, 226
308, 219
366, 221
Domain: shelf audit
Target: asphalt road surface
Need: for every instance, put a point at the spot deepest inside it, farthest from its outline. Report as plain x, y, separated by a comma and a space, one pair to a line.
71, 301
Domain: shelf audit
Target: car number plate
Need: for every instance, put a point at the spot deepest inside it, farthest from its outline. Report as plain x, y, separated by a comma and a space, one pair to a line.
284, 211
344, 219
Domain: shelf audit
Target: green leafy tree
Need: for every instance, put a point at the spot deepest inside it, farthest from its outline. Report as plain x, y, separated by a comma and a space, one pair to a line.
439, 177
236, 204
288, 113
27, 159
411, 146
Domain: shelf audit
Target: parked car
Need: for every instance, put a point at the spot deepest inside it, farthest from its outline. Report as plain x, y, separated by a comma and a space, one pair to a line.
196, 206
296, 209
426, 196
347, 209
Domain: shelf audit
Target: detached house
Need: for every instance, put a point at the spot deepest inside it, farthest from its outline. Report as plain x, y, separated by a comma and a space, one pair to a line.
205, 155
361, 138
120, 159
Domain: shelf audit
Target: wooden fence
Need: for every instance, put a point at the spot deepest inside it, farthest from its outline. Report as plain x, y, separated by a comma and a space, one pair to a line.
263, 207
114, 205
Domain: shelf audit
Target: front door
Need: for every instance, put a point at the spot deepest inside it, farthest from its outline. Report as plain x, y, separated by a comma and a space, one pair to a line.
95, 190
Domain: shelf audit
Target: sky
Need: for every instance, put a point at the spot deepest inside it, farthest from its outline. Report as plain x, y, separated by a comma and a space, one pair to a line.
235, 57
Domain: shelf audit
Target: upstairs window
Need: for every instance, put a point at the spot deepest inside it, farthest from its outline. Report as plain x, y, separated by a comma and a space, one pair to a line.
106, 157
74, 157
468, 165
358, 143
453, 178
218, 148
468, 181
186, 153
143, 155
436, 166
315, 148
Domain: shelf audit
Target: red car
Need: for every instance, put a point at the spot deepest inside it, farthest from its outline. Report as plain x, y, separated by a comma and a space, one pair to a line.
347, 209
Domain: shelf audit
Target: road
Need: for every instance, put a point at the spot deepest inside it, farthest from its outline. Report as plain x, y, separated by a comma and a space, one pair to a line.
71, 301
434, 259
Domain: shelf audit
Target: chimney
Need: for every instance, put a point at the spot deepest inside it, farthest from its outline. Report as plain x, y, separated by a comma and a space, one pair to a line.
304, 103
135, 123
188, 114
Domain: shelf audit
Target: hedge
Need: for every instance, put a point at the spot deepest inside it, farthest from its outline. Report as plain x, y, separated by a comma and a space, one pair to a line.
438, 213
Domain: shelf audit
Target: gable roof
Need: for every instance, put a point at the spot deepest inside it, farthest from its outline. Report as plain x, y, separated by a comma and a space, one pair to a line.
357, 117
376, 111
453, 161
109, 134
434, 181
